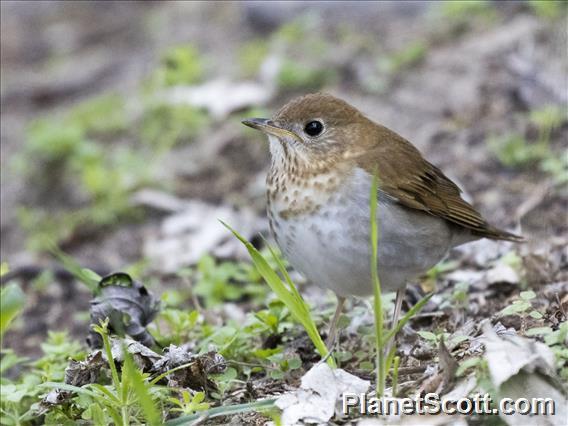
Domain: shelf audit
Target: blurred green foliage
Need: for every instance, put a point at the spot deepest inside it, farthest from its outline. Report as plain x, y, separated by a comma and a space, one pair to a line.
19, 397
303, 52
549, 9
251, 55
461, 15
72, 148
305, 55
105, 115
163, 126
461, 11
514, 150
181, 65
294, 75
103, 149
407, 57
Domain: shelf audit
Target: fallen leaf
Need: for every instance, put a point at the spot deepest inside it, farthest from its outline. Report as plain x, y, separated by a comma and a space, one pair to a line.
185, 237
220, 97
196, 375
127, 304
77, 373
143, 357
316, 399
502, 273
524, 368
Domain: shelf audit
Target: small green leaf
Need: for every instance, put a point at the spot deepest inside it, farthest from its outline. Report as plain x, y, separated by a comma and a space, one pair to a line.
294, 363
458, 338
468, 363
4, 269
431, 337
12, 300
538, 331
527, 295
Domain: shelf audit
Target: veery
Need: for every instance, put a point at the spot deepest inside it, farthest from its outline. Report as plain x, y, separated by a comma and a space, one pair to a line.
324, 153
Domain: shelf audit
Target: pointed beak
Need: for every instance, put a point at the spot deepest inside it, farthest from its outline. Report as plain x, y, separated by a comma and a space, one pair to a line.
269, 127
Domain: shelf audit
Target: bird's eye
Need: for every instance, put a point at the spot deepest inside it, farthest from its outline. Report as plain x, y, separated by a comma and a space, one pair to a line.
313, 128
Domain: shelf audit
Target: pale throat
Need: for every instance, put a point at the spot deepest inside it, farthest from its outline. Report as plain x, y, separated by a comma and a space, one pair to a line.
297, 186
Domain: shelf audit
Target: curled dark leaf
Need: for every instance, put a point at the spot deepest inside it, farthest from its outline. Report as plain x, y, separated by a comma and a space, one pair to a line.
77, 373
144, 358
127, 304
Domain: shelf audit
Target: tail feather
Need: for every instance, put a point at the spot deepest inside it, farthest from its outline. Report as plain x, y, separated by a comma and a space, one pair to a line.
499, 234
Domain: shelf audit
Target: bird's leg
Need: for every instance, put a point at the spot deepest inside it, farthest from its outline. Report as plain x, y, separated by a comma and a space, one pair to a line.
397, 308
333, 326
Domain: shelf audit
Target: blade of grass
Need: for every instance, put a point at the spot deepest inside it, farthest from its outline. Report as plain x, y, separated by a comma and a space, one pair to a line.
310, 326
86, 276
412, 312
284, 272
377, 296
222, 411
109, 395
114, 414
395, 376
103, 331
70, 388
289, 296
173, 370
140, 388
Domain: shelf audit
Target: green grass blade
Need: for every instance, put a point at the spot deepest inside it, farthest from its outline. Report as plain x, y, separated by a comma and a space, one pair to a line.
103, 331
228, 410
86, 276
70, 388
173, 370
413, 311
377, 293
305, 316
140, 388
116, 417
289, 296
109, 395
292, 288
395, 376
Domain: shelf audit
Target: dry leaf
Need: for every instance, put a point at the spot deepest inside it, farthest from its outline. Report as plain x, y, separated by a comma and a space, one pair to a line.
315, 401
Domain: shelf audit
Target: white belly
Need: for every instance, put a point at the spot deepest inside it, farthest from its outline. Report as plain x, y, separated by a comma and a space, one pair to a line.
331, 247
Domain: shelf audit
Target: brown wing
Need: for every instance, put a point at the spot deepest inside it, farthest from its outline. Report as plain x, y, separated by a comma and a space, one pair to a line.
406, 176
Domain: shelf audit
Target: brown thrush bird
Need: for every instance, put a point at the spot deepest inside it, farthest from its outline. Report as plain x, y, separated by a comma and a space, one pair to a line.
324, 155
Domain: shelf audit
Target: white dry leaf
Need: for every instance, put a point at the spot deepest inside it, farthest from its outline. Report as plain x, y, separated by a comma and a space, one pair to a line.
462, 389
220, 97
316, 399
468, 276
502, 273
184, 237
524, 368
417, 420
482, 252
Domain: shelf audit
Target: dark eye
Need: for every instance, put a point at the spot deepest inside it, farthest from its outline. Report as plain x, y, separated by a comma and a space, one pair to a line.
313, 128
